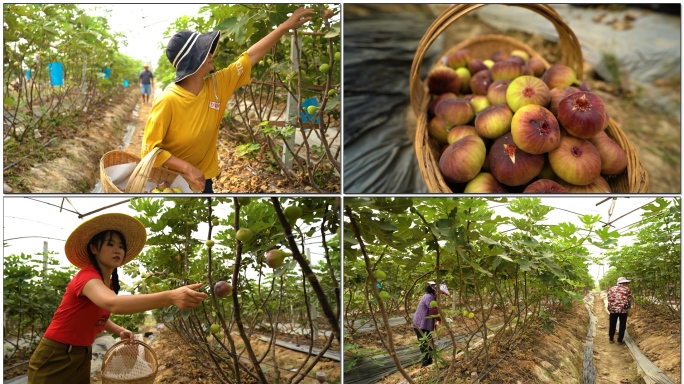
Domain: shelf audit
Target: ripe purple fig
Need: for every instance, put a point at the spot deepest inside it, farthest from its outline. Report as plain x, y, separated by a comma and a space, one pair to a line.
520, 53
222, 289
460, 131
496, 93
535, 130
433, 103
511, 165
559, 76
454, 111
480, 82
506, 70
479, 102
494, 121
582, 114
527, 90
599, 185
558, 94
438, 130
584, 86
516, 59
443, 79
499, 56
613, 158
458, 59
536, 65
575, 160
484, 182
545, 186
463, 159
476, 65
527, 71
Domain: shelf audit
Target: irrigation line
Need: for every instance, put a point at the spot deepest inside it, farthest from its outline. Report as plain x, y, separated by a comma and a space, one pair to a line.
16, 162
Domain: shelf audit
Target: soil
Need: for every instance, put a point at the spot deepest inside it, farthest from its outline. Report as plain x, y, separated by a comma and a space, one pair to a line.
76, 169
556, 357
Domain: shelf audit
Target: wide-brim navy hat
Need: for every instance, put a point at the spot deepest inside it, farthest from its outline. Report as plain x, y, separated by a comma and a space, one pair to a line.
188, 50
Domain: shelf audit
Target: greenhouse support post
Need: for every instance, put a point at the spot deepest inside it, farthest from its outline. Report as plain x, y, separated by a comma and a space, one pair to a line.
45, 257
83, 80
293, 107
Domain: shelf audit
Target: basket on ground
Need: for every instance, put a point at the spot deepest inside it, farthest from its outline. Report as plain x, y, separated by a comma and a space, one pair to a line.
633, 180
134, 363
144, 172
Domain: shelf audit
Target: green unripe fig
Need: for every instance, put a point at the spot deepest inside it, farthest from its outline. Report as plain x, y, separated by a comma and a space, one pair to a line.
433, 303
332, 92
293, 213
214, 221
244, 200
311, 109
471, 315
215, 328
468, 247
244, 234
209, 243
324, 68
337, 56
465, 312
384, 295
379, 275
261, 62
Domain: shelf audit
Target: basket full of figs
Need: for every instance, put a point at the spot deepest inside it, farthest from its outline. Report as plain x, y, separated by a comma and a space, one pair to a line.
493, 116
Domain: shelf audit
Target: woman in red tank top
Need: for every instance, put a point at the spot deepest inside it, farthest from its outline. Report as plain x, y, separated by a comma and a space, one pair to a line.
98, 247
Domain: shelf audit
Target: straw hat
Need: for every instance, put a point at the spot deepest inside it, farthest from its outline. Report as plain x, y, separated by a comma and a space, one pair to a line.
623, 280
188, 50
131, 229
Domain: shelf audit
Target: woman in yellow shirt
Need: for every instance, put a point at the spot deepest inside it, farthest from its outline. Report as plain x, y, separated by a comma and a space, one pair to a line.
184, 119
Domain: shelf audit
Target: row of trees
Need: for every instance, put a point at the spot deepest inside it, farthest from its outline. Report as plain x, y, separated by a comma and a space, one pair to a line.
510, 272
653, 260
36, 35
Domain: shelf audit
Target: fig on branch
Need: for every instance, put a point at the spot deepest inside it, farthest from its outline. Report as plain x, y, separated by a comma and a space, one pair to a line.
384, 295
433, 304
292, 213
215, 328
244, 234
209, 243
275, 258
379, 275
222, 289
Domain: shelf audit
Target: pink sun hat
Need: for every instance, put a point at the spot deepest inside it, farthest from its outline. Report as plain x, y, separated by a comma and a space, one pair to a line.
442, 287
622, 280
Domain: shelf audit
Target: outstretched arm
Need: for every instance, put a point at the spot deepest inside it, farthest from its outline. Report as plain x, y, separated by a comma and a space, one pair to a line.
257, 51
184, 298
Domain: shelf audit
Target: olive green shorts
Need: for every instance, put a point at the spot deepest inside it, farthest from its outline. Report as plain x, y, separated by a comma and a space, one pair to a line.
57, 363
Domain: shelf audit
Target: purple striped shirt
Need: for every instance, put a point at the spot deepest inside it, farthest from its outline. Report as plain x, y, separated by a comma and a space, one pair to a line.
419, 319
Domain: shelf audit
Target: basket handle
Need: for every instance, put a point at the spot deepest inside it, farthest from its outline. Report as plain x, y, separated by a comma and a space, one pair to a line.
570, 47
136, 183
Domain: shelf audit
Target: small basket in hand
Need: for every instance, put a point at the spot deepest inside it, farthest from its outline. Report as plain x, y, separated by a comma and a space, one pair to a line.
144, 171
134, 363
633, 180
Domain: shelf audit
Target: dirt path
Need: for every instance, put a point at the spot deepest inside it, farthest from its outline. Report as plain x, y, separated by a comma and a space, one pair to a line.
614, 363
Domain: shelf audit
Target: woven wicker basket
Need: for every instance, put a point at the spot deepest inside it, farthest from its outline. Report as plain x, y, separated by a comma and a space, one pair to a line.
122, 350
633, 180
143, 172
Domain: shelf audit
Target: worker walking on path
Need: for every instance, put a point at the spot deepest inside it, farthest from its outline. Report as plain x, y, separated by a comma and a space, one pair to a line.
619, 301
